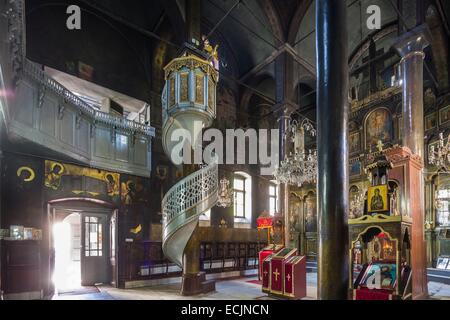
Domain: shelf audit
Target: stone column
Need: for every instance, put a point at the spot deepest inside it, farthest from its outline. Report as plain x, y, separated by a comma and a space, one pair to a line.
332, 143
284, 75
410, 47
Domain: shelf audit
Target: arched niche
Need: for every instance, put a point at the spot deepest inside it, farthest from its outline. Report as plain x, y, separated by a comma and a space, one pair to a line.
373, 244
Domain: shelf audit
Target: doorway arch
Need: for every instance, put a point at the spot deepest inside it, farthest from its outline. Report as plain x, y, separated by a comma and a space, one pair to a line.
98, 238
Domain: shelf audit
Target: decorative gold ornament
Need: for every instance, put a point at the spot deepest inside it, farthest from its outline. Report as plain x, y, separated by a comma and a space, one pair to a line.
31, 176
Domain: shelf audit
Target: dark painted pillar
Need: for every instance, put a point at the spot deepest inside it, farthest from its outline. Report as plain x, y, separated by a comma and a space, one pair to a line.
410, 47
284, 78
332, 142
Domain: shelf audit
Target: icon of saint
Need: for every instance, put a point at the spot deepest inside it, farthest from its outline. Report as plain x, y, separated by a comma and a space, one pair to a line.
377, 202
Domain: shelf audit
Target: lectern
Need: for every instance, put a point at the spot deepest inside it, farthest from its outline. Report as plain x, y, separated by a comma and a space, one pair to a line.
277, 264
295, 277
264, 253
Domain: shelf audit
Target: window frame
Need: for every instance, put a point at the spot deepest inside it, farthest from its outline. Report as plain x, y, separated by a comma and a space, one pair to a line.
243, 192
274, 197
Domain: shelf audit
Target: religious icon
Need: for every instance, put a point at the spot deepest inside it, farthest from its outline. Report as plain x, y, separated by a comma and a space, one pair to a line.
16, 232
377, 201
130, 192
355, 168
378, 127
27, 233
378, 198
53, 177
354, 142
112, 185
310, 213
430, 121
444, 115
134, 191
161, 172
380, 275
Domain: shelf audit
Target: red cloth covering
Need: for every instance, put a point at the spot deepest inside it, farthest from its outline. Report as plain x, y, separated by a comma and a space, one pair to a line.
265, 274
262, 256
276, 280
288, 279
264, 222
368, 294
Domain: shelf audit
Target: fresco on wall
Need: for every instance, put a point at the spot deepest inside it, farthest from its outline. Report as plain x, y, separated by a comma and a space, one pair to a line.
67, 180
378, 127
134, 190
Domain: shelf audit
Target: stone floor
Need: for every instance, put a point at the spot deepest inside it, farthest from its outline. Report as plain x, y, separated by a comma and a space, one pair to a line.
234, 289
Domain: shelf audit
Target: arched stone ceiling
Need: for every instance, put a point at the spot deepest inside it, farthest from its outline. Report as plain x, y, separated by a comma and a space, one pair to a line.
146, 14
246, 29
250, 35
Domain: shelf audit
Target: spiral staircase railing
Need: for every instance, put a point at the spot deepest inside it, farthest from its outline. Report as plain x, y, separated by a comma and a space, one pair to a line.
182, 206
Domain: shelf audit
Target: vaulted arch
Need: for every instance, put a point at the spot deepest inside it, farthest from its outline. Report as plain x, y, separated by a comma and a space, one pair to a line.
296, 20
274, 21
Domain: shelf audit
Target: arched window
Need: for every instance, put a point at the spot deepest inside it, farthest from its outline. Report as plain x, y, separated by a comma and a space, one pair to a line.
242, 187
273, 198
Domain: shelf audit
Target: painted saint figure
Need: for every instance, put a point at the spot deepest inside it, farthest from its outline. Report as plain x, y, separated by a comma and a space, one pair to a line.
53, 178
377, 201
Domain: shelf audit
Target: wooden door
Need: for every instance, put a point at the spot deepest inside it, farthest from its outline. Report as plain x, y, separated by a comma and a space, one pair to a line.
94, 249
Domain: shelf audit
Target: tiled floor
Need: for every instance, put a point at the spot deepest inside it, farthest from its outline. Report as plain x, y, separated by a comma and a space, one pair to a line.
236, 289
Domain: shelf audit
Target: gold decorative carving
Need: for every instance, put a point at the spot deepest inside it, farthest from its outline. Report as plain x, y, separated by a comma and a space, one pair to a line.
377, 96
379, 218
199, 89
184, 96
172, 92
191, 62
211, 93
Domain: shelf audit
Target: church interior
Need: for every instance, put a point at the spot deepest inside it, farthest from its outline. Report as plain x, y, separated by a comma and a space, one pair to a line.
224, 150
